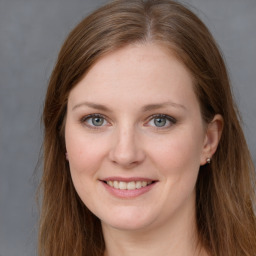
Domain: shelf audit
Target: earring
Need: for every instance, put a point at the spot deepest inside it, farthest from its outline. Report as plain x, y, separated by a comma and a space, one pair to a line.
66, 154
208, 160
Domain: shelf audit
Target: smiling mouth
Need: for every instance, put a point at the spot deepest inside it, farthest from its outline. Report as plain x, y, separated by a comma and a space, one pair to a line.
131, 185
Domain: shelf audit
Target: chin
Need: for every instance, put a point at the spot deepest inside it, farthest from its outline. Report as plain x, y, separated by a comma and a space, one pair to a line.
127, 226
131, 221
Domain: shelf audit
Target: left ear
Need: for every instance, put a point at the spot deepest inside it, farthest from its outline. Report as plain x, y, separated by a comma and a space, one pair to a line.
212, 138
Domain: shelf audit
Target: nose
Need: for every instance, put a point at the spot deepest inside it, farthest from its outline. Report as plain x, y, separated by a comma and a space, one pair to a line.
126, 151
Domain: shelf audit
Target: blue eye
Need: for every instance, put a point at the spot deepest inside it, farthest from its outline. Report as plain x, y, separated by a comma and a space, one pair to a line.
161, 121
95, 120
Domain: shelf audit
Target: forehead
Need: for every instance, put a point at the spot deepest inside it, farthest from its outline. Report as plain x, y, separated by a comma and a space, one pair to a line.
136, 73
138, 58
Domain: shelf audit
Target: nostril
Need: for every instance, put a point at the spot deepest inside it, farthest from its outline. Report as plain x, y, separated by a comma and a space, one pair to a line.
126, 152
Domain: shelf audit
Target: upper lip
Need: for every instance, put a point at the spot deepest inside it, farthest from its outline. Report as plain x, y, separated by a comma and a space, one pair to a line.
127, 179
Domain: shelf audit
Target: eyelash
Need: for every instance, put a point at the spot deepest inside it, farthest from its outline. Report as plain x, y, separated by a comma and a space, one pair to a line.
85, 119
170, 119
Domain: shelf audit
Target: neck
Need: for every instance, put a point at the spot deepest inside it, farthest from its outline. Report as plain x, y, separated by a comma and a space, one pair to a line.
178, 237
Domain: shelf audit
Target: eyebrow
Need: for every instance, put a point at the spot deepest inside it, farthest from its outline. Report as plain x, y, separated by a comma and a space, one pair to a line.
92, 105
145, 108
162, 105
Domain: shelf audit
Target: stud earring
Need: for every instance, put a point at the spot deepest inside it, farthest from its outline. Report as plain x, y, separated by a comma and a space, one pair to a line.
208, 160
66, 154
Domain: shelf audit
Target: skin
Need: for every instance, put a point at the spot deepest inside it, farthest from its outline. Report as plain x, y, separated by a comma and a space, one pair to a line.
129, 143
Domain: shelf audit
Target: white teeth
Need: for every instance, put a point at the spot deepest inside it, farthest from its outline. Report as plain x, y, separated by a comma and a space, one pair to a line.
122, 185
128, 185
143, 183
131, 185
115, 184
138, 184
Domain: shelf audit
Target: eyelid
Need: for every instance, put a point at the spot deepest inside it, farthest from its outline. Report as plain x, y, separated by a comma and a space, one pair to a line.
168, 117
85, 118
172, 119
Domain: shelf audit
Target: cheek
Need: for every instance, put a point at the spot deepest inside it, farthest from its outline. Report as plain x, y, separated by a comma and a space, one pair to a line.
85, 159
177, 151
85, 153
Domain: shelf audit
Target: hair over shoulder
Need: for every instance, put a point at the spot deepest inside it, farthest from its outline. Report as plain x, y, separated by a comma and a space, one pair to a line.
225, 189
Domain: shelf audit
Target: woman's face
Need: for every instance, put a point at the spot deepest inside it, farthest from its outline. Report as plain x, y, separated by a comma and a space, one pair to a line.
135, 138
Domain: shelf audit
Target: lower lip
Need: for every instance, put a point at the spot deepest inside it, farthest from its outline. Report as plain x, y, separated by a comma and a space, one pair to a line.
125, 193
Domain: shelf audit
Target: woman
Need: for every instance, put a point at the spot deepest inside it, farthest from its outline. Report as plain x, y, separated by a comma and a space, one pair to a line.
143, 149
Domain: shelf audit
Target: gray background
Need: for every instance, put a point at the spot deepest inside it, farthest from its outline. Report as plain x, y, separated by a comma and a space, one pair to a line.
31, 34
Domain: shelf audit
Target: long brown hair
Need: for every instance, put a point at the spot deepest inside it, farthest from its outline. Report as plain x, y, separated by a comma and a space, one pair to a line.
225, 188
